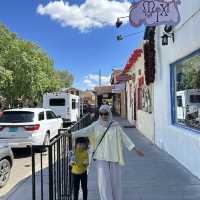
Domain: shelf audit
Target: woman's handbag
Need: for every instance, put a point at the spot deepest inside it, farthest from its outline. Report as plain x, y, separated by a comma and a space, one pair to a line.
101, 140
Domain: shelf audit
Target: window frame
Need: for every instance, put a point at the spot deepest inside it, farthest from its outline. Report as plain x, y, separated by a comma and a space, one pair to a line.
173, 90
179, 104
48, 111
74, 103
58, 105
22, 113
42, 112
195, 98
54, 115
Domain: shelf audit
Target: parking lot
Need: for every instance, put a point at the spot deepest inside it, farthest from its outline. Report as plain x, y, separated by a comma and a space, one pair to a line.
21, 168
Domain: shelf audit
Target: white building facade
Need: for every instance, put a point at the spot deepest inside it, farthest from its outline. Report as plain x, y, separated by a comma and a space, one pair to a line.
139, 96
176, 89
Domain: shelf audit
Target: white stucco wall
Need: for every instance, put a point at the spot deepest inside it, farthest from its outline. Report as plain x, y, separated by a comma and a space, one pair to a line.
128, 103
145, 124
145, 120
183, 144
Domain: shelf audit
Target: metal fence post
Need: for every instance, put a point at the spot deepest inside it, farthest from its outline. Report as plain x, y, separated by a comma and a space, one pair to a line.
50, 160
33, 173
59, 171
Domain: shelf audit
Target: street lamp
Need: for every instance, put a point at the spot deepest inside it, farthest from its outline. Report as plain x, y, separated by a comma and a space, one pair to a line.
121, 37
119, 22
168, 33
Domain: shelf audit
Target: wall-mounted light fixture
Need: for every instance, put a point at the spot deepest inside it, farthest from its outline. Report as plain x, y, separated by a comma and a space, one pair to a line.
168, 33
121, 37
119, 22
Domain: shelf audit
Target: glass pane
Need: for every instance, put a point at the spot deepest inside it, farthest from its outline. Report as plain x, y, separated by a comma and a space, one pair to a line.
53, 115
187, 85
57, 102
49, 116
17, 117
41, 116
73, 104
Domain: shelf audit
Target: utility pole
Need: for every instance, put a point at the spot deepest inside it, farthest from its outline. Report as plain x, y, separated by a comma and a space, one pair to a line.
99, 77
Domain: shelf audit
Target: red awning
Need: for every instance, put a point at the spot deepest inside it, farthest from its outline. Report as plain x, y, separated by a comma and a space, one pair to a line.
132, 60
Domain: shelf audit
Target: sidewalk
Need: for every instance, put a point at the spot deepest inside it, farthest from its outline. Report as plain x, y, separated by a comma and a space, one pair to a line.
156, 176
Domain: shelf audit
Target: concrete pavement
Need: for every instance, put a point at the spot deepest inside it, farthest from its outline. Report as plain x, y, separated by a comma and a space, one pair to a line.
156, 176
21, 168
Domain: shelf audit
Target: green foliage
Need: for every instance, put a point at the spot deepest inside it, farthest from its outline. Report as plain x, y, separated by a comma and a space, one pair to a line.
66, 79
26, 71
188, 76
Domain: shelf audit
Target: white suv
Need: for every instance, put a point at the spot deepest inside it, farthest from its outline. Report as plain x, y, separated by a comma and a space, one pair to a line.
28, 126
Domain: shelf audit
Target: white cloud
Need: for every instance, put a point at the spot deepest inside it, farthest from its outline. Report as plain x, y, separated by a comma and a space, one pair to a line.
90, 14
92, 80
87, 81
94, 77
105, 79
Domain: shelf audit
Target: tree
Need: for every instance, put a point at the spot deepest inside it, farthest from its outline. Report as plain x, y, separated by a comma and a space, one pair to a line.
65, 78
28, 71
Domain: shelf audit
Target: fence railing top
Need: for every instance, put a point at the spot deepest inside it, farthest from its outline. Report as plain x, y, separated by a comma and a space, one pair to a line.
78, 122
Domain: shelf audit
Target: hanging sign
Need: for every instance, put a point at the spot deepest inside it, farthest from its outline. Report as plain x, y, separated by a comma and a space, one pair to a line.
154, 13
118, 88
124, 77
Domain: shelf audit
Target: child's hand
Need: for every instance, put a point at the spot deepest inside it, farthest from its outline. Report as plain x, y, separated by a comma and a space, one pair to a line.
85, 162
139, 152
72, 163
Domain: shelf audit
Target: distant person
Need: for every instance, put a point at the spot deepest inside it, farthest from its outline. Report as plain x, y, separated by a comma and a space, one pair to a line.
88, 108
1, 114
35, 104
1, 110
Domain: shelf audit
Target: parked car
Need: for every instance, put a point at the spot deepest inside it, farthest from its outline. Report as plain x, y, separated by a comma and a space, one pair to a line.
28, 126
6, 162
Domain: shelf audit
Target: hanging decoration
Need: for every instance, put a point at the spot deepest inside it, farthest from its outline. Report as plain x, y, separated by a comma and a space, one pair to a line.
133, 59
146, 100
149, 57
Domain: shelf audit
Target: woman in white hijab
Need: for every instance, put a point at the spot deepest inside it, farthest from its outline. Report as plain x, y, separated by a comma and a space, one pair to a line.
109, 153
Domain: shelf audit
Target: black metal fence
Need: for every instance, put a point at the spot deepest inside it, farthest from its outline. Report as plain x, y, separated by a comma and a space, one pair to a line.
51, 174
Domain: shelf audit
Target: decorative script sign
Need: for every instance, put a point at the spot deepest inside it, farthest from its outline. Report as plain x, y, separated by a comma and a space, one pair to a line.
154, 12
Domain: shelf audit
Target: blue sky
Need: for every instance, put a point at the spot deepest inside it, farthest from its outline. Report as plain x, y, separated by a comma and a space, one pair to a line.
78, 35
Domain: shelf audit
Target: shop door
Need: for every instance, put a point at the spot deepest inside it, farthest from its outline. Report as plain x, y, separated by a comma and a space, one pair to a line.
135, 107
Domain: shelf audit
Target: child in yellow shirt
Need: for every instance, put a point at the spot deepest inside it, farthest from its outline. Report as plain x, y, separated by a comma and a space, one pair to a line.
79, 163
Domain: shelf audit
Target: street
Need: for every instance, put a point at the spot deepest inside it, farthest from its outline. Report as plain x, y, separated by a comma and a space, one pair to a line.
21, 168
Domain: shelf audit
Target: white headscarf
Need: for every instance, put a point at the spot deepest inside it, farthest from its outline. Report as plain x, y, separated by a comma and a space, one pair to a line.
105, 108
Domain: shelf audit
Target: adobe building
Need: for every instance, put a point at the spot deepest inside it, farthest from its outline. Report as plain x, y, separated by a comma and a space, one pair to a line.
89, 96
103, 95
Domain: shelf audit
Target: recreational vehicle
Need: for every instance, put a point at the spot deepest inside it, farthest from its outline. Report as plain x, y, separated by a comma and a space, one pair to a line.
188, 102
65, 105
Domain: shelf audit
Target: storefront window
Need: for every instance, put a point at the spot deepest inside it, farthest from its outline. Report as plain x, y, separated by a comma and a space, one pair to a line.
186, 91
